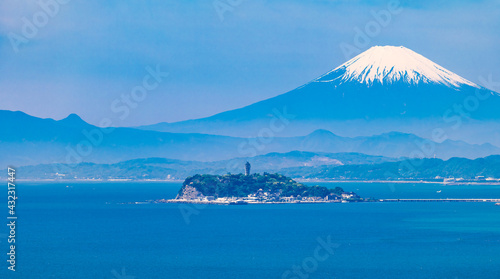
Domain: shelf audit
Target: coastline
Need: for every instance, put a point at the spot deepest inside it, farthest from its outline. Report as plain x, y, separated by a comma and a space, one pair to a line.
400, 182
471, 183
204, 202
246, 202
99, 180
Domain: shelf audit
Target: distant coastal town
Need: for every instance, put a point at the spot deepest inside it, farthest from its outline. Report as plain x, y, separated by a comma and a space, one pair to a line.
264, 197
234, 189
266, 188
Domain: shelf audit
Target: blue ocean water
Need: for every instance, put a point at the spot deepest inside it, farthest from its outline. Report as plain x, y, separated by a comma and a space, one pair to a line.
94, 230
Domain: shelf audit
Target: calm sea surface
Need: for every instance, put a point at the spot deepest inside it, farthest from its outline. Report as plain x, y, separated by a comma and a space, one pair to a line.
91, 230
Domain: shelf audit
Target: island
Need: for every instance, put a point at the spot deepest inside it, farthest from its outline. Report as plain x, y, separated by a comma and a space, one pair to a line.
255, 189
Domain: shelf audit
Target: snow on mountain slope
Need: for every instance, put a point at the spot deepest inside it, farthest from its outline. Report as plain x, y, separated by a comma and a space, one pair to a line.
390, 64
383, 89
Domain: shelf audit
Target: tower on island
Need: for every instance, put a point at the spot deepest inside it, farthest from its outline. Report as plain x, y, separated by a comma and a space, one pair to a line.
247, 168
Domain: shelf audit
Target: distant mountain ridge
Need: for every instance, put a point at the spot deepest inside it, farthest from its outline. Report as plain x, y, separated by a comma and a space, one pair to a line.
163, 168
354, 167
381, 90
425, 169
387, 101
28, 140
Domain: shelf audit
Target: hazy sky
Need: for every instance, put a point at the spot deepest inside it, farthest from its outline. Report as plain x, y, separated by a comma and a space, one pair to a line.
219, 55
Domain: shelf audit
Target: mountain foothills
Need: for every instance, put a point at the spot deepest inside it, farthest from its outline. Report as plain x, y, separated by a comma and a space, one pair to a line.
161, 168
27, 140
298, 166
383, 89
384, 104
452, 170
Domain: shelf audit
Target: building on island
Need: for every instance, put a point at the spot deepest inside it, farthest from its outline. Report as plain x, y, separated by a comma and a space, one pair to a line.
247, 168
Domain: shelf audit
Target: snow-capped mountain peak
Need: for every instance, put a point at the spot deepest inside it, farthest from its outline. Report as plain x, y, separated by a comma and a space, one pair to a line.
390, 64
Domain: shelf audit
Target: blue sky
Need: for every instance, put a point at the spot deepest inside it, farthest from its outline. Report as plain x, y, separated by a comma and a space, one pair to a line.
89, 53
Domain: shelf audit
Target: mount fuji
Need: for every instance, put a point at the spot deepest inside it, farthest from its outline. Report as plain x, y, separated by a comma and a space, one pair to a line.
384, 89
391, 65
